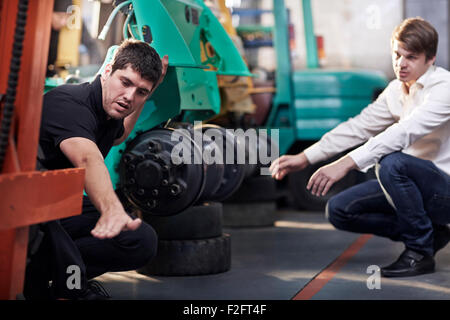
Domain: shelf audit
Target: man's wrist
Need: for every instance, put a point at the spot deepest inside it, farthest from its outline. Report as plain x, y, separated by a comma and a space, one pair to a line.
304, 159
348, 163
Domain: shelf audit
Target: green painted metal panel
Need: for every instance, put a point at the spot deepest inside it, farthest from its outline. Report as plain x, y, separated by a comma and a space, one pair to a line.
342, 83
283, 118
198, 90
314, 129
281, 41
286, 138
51, 83
229, 60
312, 57
167, 38
325, 98
179, 27
254, 28
331, 107
182, 14
281, 112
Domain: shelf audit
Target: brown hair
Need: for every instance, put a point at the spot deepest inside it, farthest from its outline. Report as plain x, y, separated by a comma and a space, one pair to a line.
141, 57
418, 36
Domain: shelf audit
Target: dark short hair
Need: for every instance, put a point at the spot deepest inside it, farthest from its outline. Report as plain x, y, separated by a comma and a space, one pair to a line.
418, 36
140, 57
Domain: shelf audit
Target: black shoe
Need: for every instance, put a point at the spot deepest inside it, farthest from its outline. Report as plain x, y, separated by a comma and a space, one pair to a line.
441, 237
94, 291
410, 263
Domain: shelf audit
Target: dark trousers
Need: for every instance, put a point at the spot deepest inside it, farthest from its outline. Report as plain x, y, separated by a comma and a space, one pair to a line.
407, 199
68, 242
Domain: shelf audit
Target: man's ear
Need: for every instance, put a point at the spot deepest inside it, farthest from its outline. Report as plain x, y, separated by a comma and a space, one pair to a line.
432, 61
107, 71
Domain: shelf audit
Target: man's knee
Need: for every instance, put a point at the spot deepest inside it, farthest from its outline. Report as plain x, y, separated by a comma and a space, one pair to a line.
143, 248
334, 212
389, 169
391, 164
149, 242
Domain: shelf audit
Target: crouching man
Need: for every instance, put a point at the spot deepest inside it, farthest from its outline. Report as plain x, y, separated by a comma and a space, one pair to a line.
406, 134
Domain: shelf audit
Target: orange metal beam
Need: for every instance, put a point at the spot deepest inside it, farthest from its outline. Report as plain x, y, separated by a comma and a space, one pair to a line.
13, 252
26, 196
32, 80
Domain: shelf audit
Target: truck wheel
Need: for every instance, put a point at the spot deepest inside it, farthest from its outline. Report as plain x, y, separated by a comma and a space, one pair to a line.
262, 214
197, 222
302, 197
190, 257
255, 189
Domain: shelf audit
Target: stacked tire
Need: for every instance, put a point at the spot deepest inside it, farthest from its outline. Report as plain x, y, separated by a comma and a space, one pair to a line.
190, 243
253, 204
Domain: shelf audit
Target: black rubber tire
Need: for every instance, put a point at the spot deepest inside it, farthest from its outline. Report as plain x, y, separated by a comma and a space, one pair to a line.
243, 215
197, 222
191, 257
255, 189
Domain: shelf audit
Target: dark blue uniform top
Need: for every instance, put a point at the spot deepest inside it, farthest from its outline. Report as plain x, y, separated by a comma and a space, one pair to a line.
75, 111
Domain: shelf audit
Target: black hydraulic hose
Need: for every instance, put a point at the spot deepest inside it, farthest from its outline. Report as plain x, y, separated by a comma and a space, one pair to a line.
14, 68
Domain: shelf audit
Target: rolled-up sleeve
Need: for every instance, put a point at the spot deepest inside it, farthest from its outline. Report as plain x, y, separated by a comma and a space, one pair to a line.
373, 119
428, 116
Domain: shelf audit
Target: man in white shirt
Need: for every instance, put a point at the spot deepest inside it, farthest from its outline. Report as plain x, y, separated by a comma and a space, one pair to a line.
406, 135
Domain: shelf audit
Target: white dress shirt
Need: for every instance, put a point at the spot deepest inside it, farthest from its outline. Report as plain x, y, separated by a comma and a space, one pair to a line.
417, 124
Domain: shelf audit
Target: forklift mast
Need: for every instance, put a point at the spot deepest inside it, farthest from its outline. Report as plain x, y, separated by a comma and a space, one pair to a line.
27, 196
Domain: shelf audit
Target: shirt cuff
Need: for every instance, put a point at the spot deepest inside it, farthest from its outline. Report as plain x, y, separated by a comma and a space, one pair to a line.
364, 161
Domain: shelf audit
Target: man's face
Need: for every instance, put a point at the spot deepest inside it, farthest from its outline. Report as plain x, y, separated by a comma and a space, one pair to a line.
123, 91
408, 66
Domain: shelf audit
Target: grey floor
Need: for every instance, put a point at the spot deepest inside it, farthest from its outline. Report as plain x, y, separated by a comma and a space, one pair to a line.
275, 263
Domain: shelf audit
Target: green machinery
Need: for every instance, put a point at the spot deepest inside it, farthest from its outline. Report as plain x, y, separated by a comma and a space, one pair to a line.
199, 50
308, 103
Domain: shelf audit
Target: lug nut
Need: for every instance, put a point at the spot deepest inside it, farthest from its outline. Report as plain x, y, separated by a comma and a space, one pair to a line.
175, 189
155, 192
152, 204
165, 182
127, 158
154, 146
141, 192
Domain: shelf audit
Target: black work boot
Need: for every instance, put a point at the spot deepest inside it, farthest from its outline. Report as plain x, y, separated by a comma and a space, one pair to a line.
94, 291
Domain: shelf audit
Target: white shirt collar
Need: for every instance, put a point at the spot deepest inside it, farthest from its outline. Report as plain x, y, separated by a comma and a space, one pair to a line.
420, 82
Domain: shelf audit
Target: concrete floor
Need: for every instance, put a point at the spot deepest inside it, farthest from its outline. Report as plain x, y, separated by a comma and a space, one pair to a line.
275, 263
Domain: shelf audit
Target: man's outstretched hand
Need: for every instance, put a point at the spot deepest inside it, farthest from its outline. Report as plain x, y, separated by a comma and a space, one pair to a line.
322, 180
288, 163
111, 224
